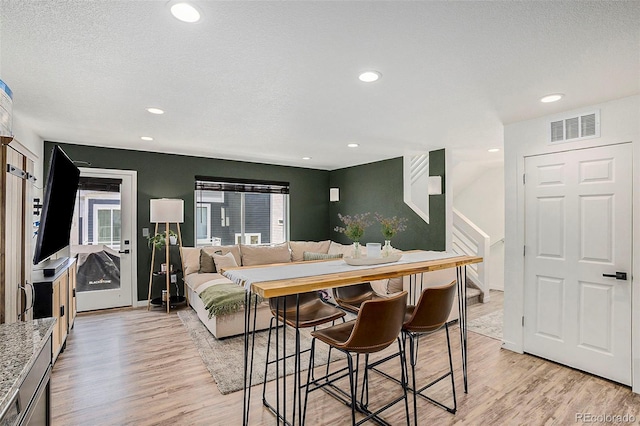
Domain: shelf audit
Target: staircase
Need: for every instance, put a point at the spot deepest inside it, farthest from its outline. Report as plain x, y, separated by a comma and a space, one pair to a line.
474, 294
469, 240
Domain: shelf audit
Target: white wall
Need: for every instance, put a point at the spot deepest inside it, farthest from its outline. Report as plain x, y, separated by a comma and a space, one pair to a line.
482, 202
30, 140
620, 122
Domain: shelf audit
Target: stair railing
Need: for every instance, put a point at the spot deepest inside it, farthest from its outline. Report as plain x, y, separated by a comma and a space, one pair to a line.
469, 240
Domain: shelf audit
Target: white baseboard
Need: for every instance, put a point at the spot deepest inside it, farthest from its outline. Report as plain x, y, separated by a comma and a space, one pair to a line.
511, 347
140, 304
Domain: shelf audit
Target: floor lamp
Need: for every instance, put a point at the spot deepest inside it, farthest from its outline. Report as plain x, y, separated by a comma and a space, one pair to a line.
165, 210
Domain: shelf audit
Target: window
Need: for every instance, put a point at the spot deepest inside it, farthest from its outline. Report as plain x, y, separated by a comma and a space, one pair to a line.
203, 224
241, 211
106, 225
248, 238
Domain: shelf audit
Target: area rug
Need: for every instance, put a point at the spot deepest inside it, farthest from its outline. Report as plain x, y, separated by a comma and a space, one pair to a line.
489, 325
224, 357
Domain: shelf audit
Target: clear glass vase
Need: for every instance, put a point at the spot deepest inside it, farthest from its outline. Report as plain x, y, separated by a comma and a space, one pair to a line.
387, 249
356, 250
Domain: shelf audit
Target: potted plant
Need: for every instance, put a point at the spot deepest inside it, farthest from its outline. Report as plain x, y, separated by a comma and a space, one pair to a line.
390, 226
159, 240
354, 229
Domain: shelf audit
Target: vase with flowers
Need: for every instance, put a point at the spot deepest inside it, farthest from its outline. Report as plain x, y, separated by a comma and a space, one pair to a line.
353, 228
390, 226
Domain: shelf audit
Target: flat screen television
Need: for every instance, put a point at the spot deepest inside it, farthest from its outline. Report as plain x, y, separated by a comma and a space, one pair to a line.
57, 207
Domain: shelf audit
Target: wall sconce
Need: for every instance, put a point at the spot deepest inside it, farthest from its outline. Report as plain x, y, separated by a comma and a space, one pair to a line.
334, 194
435, 185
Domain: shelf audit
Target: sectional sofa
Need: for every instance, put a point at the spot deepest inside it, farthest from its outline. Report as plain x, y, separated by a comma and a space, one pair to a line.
201, 271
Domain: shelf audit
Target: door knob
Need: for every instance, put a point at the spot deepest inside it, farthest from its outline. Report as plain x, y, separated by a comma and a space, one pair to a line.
124, 251
617, 276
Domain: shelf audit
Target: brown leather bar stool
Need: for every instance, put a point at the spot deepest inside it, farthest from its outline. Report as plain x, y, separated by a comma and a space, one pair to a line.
352, 297
429, 315
305, 310
377, 326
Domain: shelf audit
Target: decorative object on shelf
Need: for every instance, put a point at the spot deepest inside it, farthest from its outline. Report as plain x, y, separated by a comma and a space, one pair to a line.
163, 268
390, 226
159, 239
167, 211
354, 229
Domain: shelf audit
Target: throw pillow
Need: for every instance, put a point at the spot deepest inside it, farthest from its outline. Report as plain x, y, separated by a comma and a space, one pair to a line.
345, 249
299, 247
207, 264
265, 255
223, 261
190, 259
235, 249
308, 255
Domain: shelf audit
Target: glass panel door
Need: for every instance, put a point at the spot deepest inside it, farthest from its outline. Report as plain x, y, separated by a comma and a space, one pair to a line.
100, 243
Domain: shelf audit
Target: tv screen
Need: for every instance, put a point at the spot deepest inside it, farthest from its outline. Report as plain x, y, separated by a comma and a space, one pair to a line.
57, 207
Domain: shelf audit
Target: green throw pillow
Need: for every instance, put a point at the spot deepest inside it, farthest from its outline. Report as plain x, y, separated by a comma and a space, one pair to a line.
308, 255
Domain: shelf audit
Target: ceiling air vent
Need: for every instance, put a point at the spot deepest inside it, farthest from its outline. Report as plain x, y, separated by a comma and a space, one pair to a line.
571, 129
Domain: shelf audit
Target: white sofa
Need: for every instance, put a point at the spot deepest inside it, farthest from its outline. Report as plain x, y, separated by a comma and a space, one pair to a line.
199, 276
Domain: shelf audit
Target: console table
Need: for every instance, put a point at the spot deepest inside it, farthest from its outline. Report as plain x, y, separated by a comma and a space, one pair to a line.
335, 274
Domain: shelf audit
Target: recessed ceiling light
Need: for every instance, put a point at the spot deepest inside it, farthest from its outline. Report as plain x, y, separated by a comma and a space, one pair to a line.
493, 149
353, 145
155, 111
369, 76
146, 138
306, 158
551, 98
185, 12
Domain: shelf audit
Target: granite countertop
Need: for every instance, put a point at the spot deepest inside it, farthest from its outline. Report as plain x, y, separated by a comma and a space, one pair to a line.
20, 345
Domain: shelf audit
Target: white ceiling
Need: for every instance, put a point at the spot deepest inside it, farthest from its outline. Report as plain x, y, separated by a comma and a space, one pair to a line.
275, 81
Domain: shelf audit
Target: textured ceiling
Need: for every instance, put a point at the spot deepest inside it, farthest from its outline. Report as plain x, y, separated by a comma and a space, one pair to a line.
275, 81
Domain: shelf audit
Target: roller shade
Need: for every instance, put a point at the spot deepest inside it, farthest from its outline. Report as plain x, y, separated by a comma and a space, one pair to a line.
100, 184
205, 183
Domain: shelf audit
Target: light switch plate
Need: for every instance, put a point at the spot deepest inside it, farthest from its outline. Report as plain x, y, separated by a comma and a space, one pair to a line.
145, 232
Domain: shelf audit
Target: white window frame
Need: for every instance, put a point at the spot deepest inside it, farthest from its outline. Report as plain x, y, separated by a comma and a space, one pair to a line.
110, 207
219, 197
247, 238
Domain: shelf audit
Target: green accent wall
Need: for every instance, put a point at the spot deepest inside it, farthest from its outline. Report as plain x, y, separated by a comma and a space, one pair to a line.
374, 187
378, 187
173, 176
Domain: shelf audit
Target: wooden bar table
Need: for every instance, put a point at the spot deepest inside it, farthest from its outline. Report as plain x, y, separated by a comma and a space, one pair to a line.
302, 277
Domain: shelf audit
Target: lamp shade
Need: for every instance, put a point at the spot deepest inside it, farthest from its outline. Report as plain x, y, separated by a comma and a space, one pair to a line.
166, 210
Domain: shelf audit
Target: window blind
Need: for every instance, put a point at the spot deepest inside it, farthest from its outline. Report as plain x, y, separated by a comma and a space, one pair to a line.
99, 184
206, 183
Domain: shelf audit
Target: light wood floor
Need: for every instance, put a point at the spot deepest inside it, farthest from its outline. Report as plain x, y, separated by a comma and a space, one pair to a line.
136, 367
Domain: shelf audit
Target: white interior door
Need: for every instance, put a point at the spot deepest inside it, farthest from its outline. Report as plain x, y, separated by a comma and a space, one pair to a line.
101, 238
578, 230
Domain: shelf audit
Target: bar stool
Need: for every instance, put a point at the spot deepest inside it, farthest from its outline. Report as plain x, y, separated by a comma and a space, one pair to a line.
305, 310
429, 315
377, 325
352, 297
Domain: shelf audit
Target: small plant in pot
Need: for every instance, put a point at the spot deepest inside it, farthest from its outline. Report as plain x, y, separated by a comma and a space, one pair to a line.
158, 240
